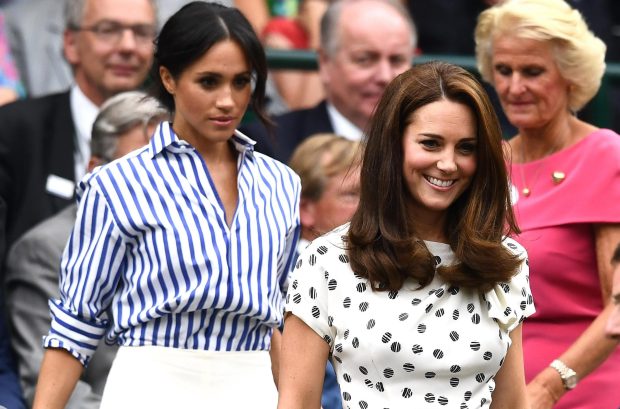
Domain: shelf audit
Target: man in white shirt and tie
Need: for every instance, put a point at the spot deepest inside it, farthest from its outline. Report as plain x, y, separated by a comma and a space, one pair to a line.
44, 141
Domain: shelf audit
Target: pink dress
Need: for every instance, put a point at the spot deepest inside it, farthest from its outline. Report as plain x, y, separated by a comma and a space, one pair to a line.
557, 222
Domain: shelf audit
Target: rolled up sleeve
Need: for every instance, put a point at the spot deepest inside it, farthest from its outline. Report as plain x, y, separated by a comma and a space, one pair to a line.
91, 266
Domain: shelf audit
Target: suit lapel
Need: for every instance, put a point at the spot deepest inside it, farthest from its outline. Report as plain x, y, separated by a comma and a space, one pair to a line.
319, 120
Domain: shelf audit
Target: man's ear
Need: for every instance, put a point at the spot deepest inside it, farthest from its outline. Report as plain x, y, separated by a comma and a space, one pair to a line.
324, 62
70, 47
307, 213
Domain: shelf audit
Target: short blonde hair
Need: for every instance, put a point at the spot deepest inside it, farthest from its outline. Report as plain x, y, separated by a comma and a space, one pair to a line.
320, 157
579, 54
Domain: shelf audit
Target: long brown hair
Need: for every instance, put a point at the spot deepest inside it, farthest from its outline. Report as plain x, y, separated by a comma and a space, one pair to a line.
382, 242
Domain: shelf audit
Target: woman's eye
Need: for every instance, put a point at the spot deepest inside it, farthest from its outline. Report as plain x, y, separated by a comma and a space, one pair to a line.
503, 70
429, 143
532, 72
208, 82
468, 148
242, 82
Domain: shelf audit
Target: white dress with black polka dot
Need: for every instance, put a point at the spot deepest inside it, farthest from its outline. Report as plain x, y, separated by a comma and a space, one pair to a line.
439, 346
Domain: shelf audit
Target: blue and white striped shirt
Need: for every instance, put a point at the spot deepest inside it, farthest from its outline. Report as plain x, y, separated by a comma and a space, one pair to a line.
152, 246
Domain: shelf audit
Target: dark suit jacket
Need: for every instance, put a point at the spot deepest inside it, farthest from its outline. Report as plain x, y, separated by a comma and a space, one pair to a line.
36, 140
290, 130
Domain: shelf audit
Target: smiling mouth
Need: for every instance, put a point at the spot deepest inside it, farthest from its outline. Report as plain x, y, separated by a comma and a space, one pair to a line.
439, 182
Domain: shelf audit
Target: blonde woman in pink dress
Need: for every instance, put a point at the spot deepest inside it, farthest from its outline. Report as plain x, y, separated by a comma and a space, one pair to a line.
546, 65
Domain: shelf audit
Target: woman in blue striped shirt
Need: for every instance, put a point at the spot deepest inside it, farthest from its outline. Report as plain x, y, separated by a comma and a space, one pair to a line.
187, 242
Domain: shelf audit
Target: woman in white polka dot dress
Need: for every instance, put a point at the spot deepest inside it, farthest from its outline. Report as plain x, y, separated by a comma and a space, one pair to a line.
419, 301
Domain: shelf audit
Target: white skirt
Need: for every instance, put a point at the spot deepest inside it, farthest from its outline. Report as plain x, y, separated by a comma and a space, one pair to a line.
160, 377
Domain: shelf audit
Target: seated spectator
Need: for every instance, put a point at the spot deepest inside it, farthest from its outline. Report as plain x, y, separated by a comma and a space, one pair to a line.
364, 45
38, 48
328, 166
44, 141
124, 123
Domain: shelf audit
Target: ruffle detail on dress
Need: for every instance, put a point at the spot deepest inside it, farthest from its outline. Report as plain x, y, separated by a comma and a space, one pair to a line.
510, 303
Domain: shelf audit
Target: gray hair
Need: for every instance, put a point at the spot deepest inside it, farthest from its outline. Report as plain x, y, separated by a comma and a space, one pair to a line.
330, 22
120, 114
74, 12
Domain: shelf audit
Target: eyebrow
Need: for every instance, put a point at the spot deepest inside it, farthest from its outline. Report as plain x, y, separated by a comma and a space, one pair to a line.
221, 74
437, 136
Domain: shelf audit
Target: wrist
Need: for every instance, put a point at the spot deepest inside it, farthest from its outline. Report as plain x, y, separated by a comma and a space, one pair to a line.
567, 375
549, 381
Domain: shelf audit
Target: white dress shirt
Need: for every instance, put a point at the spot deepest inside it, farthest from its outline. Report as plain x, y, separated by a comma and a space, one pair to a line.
342, 126
83, 112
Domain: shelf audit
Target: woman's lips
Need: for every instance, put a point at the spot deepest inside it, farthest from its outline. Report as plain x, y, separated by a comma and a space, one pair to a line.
223, 120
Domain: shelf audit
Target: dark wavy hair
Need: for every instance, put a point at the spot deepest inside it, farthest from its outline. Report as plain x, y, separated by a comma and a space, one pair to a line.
382, 242
191, 32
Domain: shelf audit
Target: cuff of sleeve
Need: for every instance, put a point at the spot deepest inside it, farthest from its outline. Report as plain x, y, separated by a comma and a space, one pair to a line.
510, 303
77, 336
50, 342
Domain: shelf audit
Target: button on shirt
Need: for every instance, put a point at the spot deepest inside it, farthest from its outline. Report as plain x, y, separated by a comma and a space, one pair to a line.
151, 244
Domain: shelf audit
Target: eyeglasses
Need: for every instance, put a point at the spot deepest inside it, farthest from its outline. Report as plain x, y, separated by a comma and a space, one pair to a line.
111, 32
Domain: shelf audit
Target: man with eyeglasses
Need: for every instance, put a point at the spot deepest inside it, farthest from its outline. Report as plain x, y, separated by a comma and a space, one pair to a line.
35, 32
44, 141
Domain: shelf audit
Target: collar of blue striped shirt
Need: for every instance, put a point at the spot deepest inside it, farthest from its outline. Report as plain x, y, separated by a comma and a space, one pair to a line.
165, 136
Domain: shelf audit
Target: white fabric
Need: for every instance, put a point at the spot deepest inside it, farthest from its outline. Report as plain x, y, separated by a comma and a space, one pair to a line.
342, 126
439, 345
83, 112
160, 377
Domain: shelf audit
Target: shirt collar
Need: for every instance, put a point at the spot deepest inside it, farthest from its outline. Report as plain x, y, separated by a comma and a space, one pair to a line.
342, 126
165, 138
